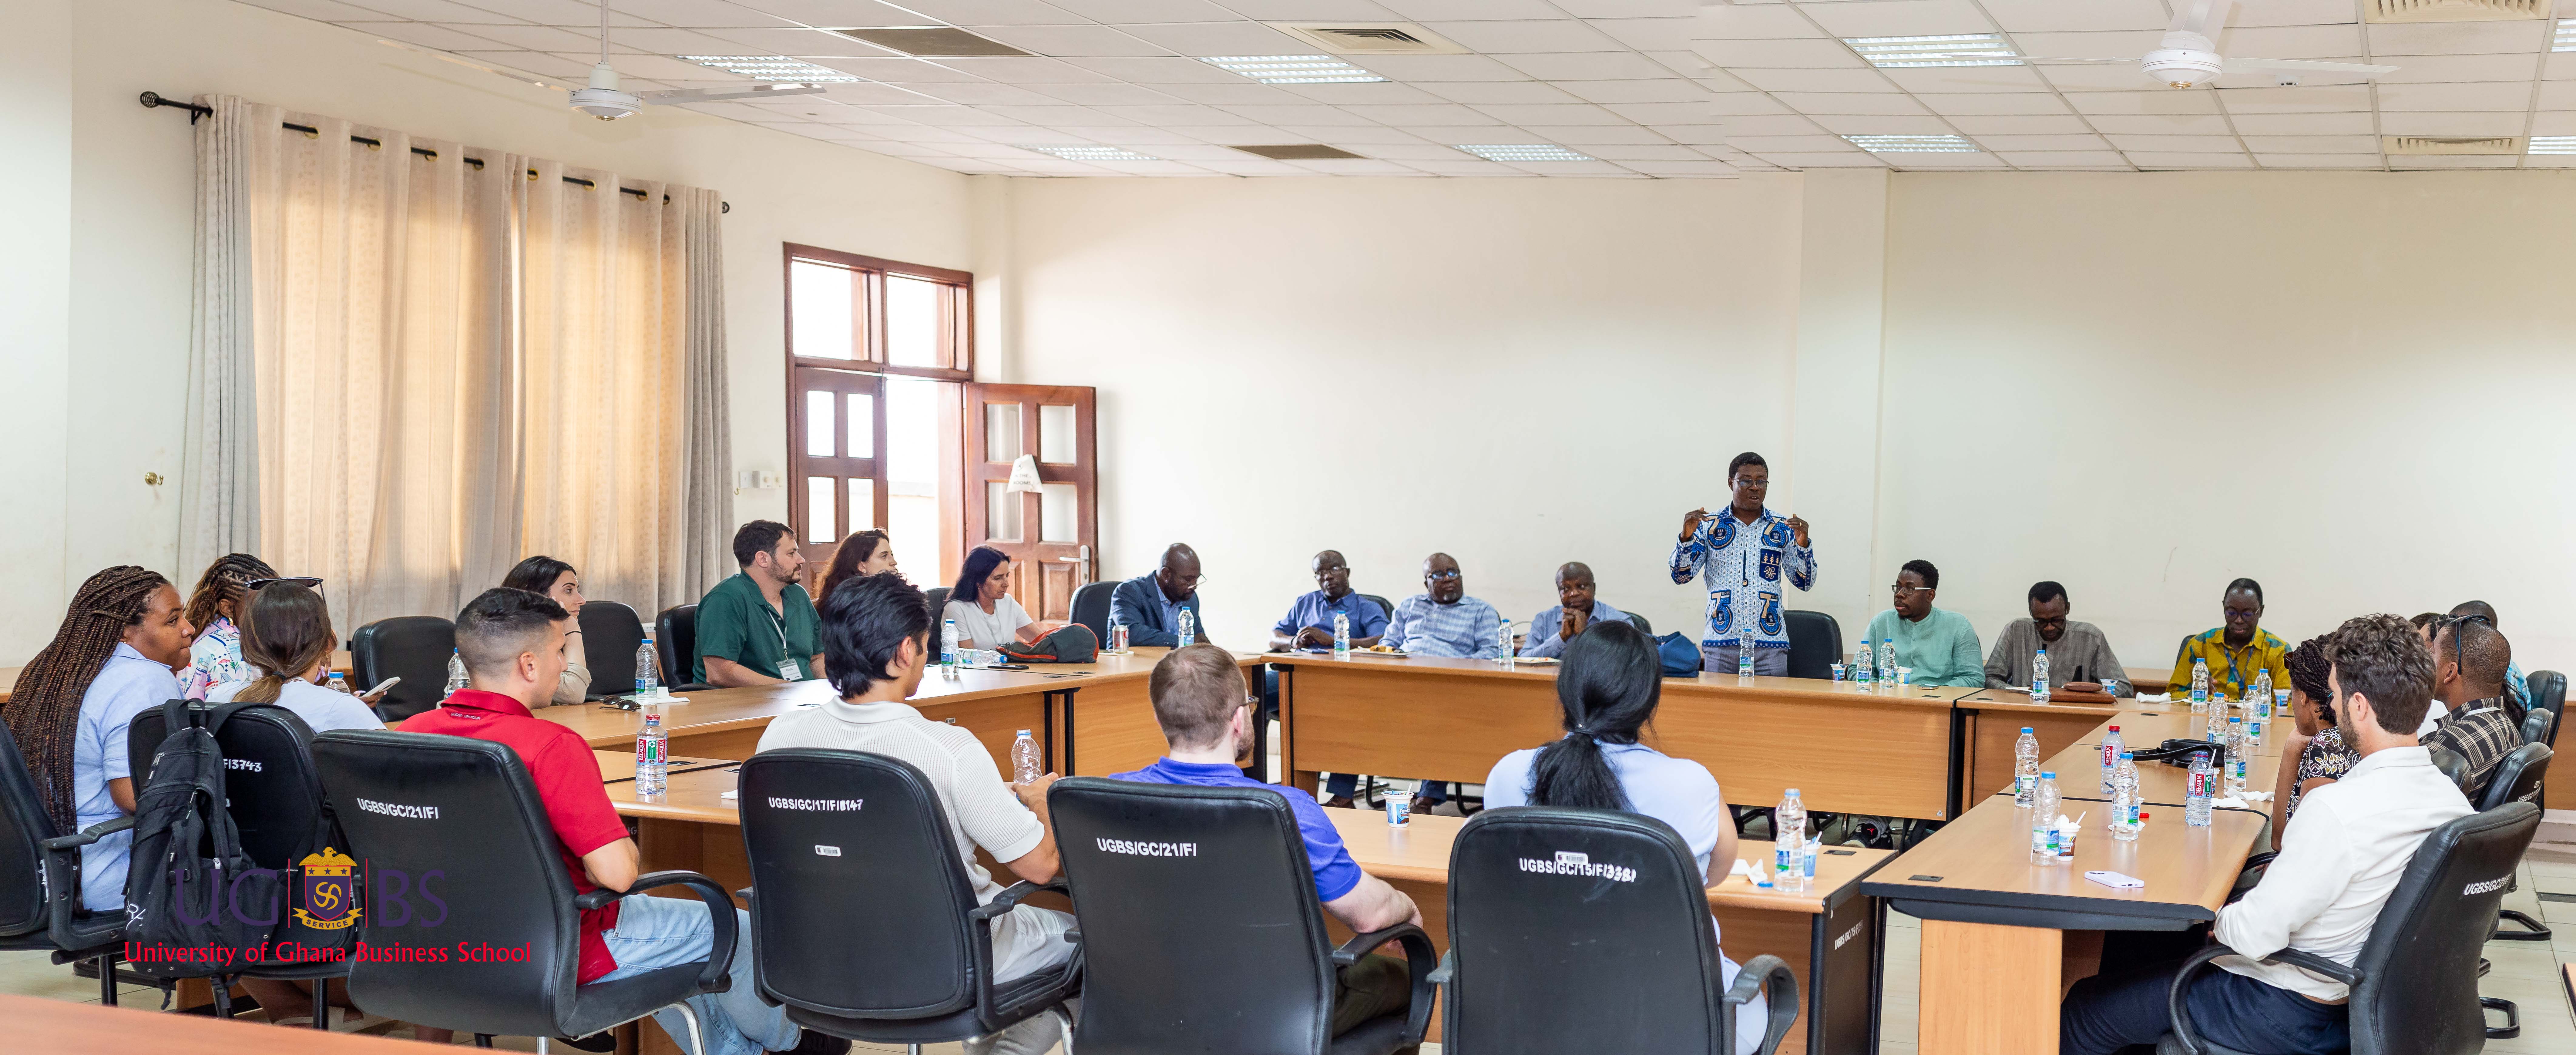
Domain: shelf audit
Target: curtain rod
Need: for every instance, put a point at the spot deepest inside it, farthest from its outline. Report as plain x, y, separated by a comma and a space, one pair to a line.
151, 100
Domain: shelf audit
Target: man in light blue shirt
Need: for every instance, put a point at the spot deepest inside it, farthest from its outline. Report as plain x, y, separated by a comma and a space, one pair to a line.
1443, 621
1574, 610
1741, 554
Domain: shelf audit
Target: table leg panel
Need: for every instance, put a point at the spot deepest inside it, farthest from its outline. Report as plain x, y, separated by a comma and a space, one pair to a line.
1988, 988
1990, 747
1114, 730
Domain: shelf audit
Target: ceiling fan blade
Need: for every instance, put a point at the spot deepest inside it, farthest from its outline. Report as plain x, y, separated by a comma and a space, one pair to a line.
713, 95
2213, 19
2237, 64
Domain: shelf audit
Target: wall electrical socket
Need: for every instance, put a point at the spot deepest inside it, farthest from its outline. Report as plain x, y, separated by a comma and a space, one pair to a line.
757, 480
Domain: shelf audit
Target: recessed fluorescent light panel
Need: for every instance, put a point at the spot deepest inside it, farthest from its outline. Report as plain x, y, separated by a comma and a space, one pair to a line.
1293, 69
1075, 152
1956, 49
2552, 145
1914, 144
1521, 152
772, 68
2566, 39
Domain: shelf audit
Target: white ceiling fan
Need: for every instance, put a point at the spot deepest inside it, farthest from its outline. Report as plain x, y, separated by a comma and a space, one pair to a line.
605, 100
2189, 56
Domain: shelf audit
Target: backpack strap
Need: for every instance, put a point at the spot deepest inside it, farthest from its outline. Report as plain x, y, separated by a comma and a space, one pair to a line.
223, 712
176, 714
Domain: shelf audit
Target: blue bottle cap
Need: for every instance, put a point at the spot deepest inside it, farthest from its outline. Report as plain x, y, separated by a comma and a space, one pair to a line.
2025, 728
2049, 774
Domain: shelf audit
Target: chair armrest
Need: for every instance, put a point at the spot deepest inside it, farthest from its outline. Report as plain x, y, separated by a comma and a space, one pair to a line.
718, 975
89, 835
744, 894
1011, 897
1419, 958
1447, 970
2258, 861
2349, 976
2182, 982
1768, 976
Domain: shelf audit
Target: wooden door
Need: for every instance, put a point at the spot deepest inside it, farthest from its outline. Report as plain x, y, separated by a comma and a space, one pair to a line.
836, 430
1052, 535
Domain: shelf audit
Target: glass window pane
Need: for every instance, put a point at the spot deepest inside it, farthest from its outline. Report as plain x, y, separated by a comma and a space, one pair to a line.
863, 426
1001, 432
1001, 512
821, 512
914, 319
1055, 434
818, 424
821, 298
863, 505
1059, 511
914, 490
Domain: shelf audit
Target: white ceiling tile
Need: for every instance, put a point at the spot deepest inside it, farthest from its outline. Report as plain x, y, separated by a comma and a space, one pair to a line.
1851, 103
2022, 125
2471, 96
1753, 22
2158, 102
1695, 135
2318, 161
1854, 159
870, 92
2560, 66
1648, 34
2103, 45
1417, 69
1726, 104
1626, 8
1659, 150
2422, 68
914, 133
1898, 18
2042, 16
1308, 114
2554, 123
2294, 42
1860, 80
1571, 168
2054, 159
1225, 38
1997, 103
1662, 113
1776, 144
554, 38
2098, 78
539, 63
429, 36
1587, 136
2389, 41
1341, 134
2303, 99
692, 14
2410, 123
841, 12
323, 10
1120, 12
1969, 79
896, 71
1883, 124
1584, 65
1527, 36
2162, 124
2034, 143
2304, 124
1414, 150
1121, 135
1737, 56
1053, 116
2189, 160
1500, 92
795, 42
1663, 90
981, 93
1680, 169
1159, 70
1066, 41
2173, 144
1014, 69
1690, 64
2294, 13
444, 11
1469, 166
1381, 93
957, 13
1428, 10
1105, 94
2312, 144
2459, 161
1456, 134
1296, 10
1773, 125
1241, 92
1232, 133
1571, 114
1433, 114
1170, 116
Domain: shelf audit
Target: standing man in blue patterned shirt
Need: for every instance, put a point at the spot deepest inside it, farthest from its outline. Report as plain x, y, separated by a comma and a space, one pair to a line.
1743, 553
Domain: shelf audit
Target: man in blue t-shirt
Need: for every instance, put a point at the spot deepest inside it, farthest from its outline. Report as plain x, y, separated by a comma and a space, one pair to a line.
1199, 700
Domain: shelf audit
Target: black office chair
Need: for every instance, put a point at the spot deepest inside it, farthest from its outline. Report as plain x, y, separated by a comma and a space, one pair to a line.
40, 890
2517, 779
2539, 727
938, 596
1385, 607
466, 811
1815, 644
610, 633
1588, 930
1201, 930
882, 943
415, 648
1091, 607
2415, 984
2452, 765
2548, 691
1638, 620
675, 638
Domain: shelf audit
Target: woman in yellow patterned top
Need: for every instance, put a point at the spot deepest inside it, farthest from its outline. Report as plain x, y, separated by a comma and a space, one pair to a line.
2235, 651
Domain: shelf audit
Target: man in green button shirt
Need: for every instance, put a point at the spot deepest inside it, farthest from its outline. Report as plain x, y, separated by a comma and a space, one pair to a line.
1938, 643
758, 628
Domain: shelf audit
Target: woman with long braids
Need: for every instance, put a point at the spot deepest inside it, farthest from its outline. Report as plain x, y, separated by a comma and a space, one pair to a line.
112, 659
286, 635
1608, 689
213, 606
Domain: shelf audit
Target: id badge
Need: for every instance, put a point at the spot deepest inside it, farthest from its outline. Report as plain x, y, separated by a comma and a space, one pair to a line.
788, 669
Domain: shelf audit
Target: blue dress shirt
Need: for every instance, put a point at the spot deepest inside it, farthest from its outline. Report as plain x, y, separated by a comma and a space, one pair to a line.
1552, 620
1469, 629
1312, 608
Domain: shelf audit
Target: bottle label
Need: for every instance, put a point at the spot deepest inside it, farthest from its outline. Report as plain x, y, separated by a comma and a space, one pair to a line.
2023, 784
2201, 781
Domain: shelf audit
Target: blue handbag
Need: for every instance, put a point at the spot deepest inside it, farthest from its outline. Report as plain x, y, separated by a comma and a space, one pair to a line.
1680, 656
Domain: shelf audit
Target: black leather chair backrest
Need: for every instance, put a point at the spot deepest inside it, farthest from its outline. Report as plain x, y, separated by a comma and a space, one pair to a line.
1638, 619
1815, 644
1385, 607
2517, 778
675, 636
1091, 607
862, 900
270, 785
2419, 987
416, 649
1200, 928
2453, 766
2539, 726
610, 633
1580, 930
461, 823
2548, 690
938, 597
24, 827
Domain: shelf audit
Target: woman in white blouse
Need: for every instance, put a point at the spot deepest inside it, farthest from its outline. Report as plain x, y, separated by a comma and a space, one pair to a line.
286, 635
987, 617
562, 585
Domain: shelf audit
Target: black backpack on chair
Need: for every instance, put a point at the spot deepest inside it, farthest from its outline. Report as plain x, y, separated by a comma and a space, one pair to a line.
196, 905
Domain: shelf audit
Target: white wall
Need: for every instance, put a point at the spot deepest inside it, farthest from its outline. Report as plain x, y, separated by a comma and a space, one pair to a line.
112, 185
1516, 372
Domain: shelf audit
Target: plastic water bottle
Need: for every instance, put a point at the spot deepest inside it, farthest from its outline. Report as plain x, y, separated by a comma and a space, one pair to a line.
1189, 628
1789, 839
2236, 760
2039, 677
456, 679
2258, 700
1025, 765
948, 647
1744, 653
2044, 834
1341, 634
2218, 718
1807, 872
1887, 661
2125, 799
652, 756
2204, 785
2114, 748
337, 683
648, 675
2257, 727
2025, 766
2199, 684
1860, 665
1503, 650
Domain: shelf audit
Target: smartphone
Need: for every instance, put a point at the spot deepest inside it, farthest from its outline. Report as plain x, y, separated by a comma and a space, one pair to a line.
1006, 666
381, 686
2114, 880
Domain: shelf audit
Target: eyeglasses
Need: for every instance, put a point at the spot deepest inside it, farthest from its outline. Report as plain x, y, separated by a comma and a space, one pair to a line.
309, 582
1443, 576
1902, 589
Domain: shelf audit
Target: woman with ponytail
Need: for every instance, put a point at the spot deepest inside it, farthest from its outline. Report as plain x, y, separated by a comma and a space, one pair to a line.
286, 636
1609, 687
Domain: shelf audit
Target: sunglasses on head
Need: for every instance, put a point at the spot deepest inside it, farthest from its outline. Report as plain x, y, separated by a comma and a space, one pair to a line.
309, 582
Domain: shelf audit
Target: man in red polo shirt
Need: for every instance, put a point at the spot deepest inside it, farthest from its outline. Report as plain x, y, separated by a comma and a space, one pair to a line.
512, 642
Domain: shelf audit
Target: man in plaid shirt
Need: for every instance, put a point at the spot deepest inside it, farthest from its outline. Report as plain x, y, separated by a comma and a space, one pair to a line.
2469, 660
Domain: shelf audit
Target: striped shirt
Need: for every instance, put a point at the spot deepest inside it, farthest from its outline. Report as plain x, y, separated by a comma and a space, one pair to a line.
1468, 628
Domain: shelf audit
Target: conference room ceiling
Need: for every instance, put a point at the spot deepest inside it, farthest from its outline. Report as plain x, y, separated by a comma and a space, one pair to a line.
1637, 88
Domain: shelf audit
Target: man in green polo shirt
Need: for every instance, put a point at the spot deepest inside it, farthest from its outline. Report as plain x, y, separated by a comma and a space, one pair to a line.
758, 628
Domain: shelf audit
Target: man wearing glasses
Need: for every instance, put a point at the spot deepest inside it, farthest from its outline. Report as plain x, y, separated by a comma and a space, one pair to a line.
1742, 554
2079, 656
1938, 644
1151, 604
2235, 651
1443, 621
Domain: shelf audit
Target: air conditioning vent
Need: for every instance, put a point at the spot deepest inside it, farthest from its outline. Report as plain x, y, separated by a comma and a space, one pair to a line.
931, 41
2452, 10
2427, 145
1299, 152
1370, 38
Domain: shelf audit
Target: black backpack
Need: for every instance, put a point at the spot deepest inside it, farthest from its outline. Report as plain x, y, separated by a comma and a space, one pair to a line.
195, 904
